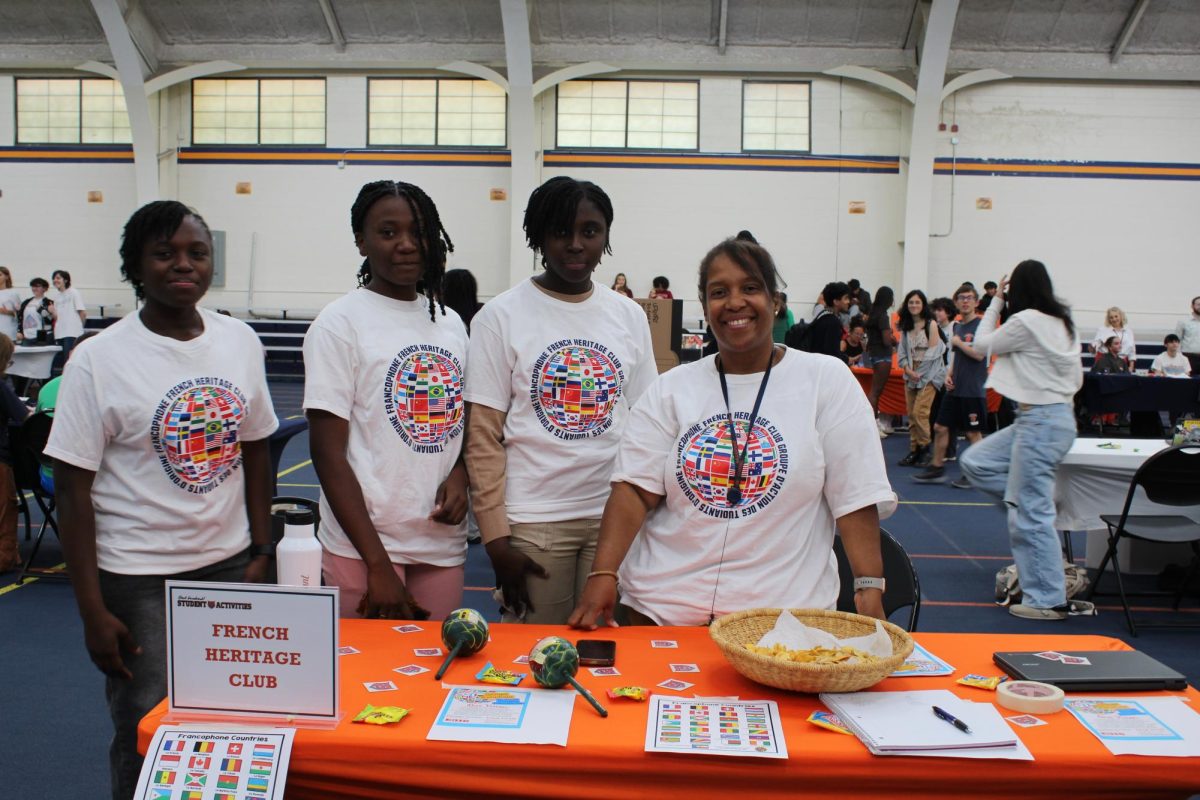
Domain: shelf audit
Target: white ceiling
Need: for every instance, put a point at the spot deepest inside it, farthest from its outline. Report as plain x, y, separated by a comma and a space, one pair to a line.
1068, 39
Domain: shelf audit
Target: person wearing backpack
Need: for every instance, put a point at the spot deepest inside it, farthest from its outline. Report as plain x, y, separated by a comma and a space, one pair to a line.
824, 333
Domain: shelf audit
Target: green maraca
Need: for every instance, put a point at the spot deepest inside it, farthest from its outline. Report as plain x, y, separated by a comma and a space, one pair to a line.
554, 662
464, 631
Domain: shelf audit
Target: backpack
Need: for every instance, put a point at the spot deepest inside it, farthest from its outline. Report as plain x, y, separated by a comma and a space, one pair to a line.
799, 336
1008, 584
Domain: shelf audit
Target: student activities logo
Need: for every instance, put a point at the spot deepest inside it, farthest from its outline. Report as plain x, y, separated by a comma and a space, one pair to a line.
194, 433
574, 388
423, 397
705, 465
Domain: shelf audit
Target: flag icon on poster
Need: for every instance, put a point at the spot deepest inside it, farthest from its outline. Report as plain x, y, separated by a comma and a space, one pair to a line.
234, 749
160, 794
256, 784
224, 796
227, 782
260, 767
264, 751
176, 746
196, 780
192, 795
168, 760
231, 765
164, 776
203, 747
200, 762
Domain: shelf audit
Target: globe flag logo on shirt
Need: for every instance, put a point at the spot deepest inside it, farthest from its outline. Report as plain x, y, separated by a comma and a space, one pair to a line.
194, 433
423, 397
574, 388
705, 471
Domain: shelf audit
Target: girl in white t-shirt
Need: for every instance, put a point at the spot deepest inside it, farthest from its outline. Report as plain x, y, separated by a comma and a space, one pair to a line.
383, 393
71, 312
10, 305
556, 363
735, 469
162, 466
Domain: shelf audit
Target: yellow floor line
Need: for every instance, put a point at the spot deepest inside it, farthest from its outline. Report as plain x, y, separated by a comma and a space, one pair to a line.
290, 470
28, 580
941, 503
300, 485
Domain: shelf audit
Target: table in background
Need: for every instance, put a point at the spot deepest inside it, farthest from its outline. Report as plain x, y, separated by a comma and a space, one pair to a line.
1105, 393
1094, 480
604, 758
31, 364
892, 399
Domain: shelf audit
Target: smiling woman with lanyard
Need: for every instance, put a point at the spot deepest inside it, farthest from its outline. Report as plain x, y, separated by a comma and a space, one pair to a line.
702, 523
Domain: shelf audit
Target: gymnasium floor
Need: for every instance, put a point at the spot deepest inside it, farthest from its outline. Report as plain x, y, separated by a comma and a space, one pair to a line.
56, 728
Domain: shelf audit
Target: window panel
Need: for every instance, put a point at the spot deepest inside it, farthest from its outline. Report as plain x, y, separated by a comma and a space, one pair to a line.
775, 116
641, 139
435, 112
628, 114
258, 111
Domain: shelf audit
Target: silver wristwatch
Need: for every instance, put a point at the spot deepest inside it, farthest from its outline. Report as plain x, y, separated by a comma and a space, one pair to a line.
869, 583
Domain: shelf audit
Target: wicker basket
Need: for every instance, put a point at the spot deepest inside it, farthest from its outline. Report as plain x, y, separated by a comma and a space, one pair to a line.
732, 631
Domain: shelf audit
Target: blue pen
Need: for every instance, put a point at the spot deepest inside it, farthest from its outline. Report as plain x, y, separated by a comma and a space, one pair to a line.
953, 720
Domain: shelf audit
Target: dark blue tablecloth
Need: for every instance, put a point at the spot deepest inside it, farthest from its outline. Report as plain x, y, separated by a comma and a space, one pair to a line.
1116, 392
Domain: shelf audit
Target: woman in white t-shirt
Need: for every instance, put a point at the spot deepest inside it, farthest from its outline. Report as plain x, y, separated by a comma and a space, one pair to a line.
1115, 324
556, 363
162, 466
701, 522
71, 312
383, 394
10, 305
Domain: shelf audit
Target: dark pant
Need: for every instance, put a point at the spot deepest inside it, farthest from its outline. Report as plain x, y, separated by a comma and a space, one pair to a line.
60, 359
139, 602
1194, 359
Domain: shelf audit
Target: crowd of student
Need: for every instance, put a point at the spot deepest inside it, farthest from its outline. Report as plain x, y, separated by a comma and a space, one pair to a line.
603, 491
43, 317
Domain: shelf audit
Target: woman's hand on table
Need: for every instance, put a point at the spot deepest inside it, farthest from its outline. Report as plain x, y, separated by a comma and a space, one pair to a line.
869, 603
599, 600
106, 638
513, 568
387, 597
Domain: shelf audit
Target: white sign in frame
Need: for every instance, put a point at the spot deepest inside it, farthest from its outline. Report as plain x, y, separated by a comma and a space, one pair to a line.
247, 649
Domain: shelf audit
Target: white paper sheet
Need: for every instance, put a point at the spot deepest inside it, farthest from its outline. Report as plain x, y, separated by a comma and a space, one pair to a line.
1140, 726
715, 727
215, 761
505, 714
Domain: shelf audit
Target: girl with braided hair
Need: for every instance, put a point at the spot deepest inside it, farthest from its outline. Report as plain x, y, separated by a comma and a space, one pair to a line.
556, 364
383, 395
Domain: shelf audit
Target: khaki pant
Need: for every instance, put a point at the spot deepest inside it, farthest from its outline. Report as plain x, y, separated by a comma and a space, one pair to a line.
566, 551
918, 403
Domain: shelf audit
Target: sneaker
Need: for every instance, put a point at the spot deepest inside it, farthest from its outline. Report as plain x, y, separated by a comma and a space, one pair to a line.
931, 475
1081, 608
883, 433
910, 459
926, 459
951, 457
961, 483
1029, 612
885, 425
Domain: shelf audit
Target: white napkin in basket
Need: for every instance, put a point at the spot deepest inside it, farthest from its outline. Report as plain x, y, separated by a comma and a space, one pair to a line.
795, 635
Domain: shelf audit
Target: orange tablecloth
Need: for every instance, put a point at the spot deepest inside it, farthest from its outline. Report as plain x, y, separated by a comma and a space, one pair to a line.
892, 399
604, 758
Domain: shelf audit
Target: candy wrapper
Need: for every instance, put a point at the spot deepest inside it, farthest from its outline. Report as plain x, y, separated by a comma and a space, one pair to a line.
795, 635
829, 721
988, 682
490, 674
630, 692
381, 715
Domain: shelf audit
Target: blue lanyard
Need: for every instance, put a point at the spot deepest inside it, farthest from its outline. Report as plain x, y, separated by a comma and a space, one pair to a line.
734, 495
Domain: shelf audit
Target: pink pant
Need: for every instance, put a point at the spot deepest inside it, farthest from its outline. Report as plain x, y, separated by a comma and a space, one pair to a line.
439, 589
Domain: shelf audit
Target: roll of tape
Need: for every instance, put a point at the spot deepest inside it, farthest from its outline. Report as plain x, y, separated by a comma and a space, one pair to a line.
1030, 697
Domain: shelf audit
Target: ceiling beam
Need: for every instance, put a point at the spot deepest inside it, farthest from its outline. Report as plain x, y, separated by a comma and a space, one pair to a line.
722, 26
1131, 23
335, 27
142, 36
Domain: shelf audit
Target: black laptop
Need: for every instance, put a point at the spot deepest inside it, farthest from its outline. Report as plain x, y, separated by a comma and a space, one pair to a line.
1108, 671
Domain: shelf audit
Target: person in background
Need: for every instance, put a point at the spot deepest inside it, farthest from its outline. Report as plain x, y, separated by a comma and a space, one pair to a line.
461, 293
855, 342
1188, 331
1171, 363
784, 319
10, 305
1109, 359
920, 356
944, 312
162, 466
70, 312
556, 364
37, 314
620, 284
1037, 365
662, 289
881, 345
383, 393
675, 529
12, 413
825, 332
860, 299
964, 404
989, 291
1115, 325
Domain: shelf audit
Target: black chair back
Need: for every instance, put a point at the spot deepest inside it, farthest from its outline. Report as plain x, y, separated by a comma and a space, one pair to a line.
1170, 477
27, 441
903, 586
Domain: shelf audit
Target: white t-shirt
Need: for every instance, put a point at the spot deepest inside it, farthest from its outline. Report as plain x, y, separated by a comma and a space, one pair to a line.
161, 423
1177, 367
397, 377
566, 374
814, 456
10, 299
1125, 336
68, 303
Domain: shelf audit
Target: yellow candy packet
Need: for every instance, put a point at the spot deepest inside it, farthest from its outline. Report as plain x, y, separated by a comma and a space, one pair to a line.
381, 715
829, 721
490, 674
988, 682
631, 692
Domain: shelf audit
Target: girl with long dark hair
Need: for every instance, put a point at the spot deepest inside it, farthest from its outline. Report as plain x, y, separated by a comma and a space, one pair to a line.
1037, 365
920, 356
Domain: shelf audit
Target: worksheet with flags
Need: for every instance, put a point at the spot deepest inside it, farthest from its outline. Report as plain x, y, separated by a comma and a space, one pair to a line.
216, 763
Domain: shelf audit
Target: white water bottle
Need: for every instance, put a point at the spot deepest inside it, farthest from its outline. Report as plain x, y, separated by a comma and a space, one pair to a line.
298, 556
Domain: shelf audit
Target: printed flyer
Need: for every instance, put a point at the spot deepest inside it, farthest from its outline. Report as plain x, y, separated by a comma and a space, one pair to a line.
195, 763
718, 727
